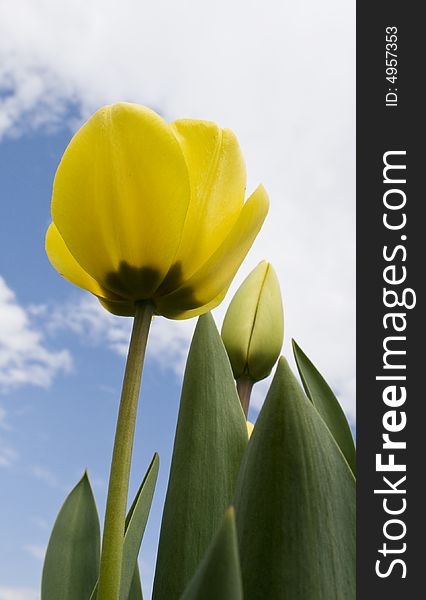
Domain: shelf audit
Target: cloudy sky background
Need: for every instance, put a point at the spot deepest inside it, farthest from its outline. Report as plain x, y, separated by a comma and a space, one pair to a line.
282, 76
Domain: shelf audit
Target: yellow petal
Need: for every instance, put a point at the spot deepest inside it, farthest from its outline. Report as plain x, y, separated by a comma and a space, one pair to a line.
194, 312
250, 428
215, 276
127, 309
64, 262
218, 181
120, 198
119, 308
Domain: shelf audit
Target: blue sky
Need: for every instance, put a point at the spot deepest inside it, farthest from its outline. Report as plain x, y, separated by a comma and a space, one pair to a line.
285, 83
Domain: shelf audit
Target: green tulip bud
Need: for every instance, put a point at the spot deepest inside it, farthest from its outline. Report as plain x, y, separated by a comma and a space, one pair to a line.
253, 328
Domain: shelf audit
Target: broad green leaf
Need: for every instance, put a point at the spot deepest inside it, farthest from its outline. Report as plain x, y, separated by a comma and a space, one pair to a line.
326, 403
295, 503
211, 438
71, 565
219, 575
136, 519
135, 527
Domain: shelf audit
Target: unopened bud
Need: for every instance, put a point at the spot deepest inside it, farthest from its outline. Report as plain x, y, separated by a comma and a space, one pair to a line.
253, 328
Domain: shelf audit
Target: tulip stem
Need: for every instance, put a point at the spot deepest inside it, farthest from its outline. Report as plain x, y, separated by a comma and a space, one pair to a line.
113, 535
244, 388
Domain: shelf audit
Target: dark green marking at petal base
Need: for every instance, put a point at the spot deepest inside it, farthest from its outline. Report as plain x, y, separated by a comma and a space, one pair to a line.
138, 283
146, 283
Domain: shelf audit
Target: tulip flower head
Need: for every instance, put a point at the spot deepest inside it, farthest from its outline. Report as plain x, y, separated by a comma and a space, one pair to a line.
253, 328
144, 210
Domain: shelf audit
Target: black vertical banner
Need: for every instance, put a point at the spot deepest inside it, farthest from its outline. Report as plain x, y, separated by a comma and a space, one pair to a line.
391, 269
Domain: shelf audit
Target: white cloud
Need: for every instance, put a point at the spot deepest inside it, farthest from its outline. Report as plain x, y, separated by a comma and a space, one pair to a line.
44, 474
8, 455
36, 550
24, 357
18, 593
168, 340
282, 75
84, 316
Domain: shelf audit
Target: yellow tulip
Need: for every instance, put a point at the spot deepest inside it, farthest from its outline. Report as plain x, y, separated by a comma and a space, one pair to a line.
146, 210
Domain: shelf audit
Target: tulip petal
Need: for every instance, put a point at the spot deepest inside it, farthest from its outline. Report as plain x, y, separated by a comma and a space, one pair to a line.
120, 198
196, 312
127, 309
215, 276
64, 262
119, 308
217, 175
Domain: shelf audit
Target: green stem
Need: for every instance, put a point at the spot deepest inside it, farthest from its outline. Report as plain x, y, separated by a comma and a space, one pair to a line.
113, 536
244, 388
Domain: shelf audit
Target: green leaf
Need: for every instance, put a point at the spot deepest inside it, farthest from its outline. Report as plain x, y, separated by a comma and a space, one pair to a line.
136, 587
211, 438
295, 503
326, 403
135, 527
219, 574
71, 566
